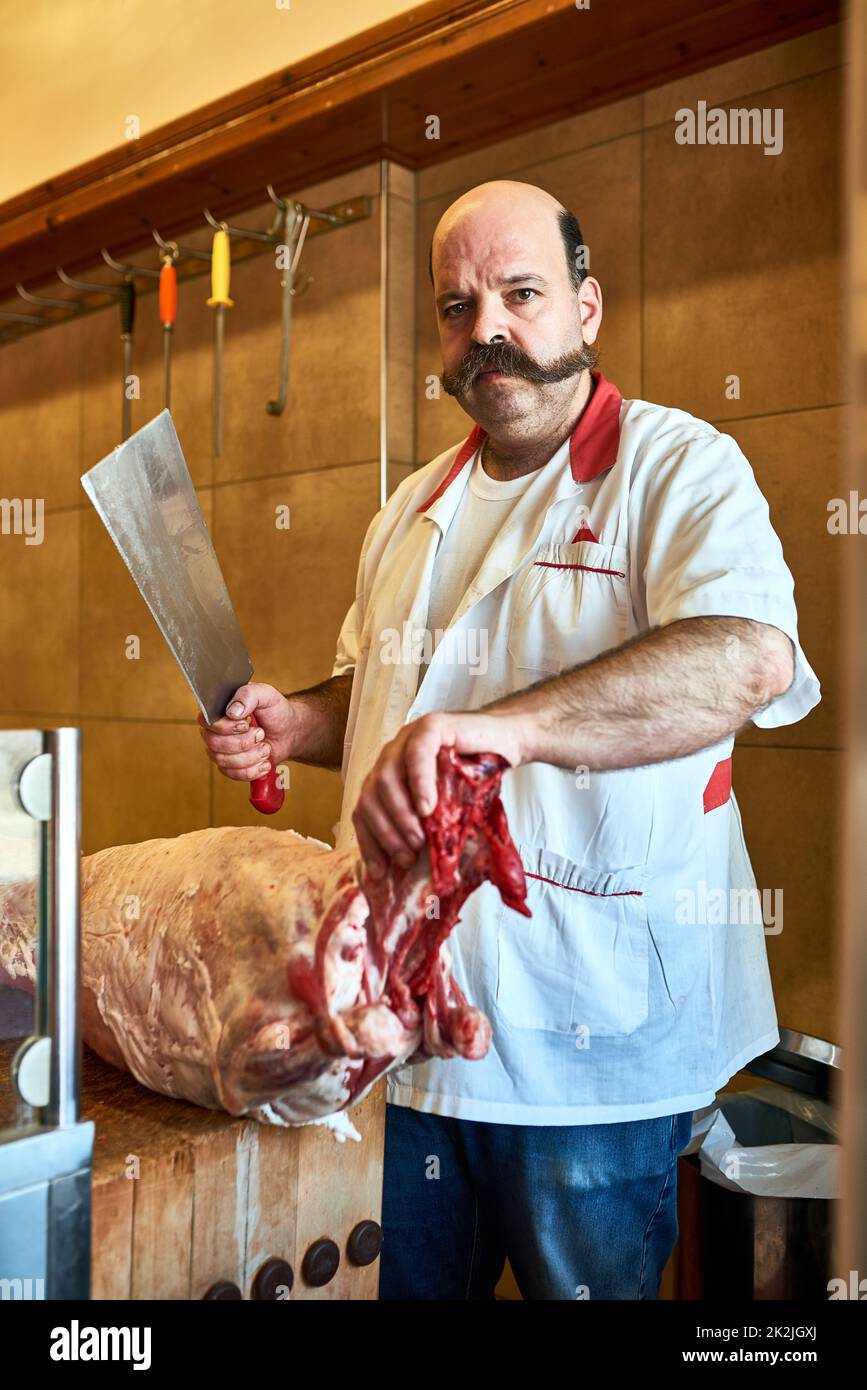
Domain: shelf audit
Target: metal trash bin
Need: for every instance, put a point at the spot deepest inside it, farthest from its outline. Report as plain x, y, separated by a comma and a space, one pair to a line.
758, 1182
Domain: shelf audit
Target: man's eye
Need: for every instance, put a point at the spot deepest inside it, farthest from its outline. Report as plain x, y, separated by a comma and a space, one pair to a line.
526, 289
448, 312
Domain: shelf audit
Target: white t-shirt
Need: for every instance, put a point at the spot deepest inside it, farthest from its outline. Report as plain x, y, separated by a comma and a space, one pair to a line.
483, 512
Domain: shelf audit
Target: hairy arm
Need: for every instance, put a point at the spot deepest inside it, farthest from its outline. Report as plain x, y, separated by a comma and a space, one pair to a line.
324, 711
663, 695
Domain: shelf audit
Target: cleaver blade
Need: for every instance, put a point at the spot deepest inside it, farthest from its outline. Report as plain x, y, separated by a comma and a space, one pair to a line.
145, 498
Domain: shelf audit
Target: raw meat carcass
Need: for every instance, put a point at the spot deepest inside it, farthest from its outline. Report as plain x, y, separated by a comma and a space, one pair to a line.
262, 973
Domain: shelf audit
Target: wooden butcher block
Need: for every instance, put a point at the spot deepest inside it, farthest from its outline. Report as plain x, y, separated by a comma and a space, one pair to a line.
184, 1198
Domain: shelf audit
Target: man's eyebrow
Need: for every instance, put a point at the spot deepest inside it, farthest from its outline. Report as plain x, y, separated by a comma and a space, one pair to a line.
507, 280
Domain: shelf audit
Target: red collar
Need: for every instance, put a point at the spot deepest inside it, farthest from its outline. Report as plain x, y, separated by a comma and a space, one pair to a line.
592, 447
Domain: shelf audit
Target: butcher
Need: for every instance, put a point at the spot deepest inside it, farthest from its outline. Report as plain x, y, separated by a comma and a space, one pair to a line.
591, 587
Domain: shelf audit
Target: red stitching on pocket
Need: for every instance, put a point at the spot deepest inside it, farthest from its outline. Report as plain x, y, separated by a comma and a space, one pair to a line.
627, 892
591, 569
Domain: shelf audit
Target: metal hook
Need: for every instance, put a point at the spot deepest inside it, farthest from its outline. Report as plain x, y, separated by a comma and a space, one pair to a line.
169, 248
297, 290
52, 303
9, 317
128, 269
279, 228
270, 237
299, 245
295, 244
116, 291
179, 253
331, 217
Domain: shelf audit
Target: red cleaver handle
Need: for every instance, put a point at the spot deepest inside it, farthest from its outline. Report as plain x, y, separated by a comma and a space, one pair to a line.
266, 795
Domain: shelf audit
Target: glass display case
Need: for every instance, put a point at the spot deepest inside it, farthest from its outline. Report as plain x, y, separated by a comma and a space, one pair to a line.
45, 1148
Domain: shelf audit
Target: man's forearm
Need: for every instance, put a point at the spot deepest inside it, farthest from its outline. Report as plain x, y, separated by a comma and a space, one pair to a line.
664, 695
325, 712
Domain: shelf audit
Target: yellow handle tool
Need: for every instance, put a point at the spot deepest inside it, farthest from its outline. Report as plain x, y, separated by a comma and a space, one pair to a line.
221, 270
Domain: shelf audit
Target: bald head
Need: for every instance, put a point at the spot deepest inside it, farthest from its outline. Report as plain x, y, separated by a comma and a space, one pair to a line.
517, 313
508, 202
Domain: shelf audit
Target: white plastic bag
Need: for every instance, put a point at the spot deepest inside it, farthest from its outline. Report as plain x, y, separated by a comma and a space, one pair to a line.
768, 1170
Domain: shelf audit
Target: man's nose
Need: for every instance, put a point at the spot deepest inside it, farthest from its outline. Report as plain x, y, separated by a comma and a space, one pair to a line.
489, 326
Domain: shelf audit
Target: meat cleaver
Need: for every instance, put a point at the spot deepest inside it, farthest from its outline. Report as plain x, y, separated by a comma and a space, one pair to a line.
145, 498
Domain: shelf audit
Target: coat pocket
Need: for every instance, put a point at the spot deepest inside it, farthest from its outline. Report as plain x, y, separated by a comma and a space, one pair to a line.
572, 604
581, 960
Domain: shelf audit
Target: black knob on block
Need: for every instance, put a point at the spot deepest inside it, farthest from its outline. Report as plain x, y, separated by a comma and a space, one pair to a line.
273, 1281
320, 1263
365, 1243
223, 1289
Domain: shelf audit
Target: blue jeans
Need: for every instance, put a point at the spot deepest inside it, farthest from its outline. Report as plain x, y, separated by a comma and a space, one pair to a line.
581, 1211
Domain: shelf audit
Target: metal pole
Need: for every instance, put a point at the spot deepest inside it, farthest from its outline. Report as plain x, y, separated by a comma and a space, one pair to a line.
383, 329
851, 1231
64, 927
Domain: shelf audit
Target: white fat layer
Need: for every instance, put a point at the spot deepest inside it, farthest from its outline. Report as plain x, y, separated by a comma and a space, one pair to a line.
340, 1125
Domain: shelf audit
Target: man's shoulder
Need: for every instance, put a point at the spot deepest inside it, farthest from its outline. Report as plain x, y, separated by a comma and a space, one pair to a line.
647, 426
661, 443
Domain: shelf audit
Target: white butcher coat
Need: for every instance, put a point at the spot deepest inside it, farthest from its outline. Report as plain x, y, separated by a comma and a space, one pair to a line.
640, 985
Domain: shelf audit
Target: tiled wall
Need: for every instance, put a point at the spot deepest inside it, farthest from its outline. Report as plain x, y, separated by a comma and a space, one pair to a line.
716, 260
67, 606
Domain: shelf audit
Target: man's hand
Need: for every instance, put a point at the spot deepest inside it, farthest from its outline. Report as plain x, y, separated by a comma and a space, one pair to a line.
240, 752
401, 786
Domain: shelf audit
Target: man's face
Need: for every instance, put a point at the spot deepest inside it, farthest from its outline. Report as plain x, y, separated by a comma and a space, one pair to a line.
506, 279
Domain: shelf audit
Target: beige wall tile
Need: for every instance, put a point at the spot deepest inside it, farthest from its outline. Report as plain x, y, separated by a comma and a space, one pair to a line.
789, 800
292, 588
38, 721
799, 465
114, 685
402, 182
742, 264
141, 781
311, 804
39, 619
400, 311
769, 67
39, 416
602, 186
334, 358
531, 150
396, 474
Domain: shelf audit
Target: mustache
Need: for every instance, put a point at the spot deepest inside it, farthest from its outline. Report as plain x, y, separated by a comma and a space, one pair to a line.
511, 360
